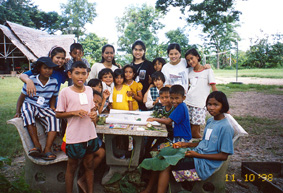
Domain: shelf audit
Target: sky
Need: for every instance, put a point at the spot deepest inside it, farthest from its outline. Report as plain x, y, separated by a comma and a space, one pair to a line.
258, 17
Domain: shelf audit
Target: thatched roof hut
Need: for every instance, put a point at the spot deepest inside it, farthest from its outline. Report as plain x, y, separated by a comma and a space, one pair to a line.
20, 45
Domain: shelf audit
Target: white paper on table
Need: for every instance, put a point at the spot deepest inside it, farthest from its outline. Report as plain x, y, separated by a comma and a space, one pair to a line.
145, 113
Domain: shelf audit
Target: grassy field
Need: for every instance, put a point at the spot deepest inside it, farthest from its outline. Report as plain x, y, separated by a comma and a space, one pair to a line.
259, 73
10, 89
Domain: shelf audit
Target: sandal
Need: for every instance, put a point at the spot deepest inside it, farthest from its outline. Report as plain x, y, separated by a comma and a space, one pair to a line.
34, 152
49, 156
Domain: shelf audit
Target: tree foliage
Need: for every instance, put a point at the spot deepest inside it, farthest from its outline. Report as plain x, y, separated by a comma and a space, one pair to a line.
25, 13
77, 13
139, 23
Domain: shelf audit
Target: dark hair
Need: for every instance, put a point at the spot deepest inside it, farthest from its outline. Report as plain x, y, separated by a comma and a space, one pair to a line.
78, 64
173, 46
161, 60
140, 43
55, 50
193, 52
35, 67
105, 71
177, 89
95, 92
158, 75
132, 67
220, 97
77, 46
94, 82
164, 90
103, 50
118, 72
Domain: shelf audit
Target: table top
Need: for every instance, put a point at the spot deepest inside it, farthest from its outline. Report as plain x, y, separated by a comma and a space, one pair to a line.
159, 131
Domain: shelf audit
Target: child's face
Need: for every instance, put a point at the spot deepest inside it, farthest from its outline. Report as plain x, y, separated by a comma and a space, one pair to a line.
214, 107
119, 80
107, 78
98, 88
76, 53
138, 52
79, 76
97, 102
176, 99
192, 60
59, 59
45, 71
174, 56
157, 66
158, 83
108, 54
129, 74
165, 99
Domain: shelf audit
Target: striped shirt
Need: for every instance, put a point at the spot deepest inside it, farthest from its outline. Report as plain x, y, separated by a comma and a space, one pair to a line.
43, 92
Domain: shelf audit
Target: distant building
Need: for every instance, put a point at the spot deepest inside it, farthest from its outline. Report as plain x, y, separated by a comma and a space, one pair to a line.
20, 46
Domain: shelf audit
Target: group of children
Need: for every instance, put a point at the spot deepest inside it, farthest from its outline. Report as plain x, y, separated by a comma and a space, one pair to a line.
136, 86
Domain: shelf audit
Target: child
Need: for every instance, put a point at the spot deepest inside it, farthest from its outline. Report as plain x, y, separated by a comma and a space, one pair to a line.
119, 98
179, 117
152, 98
41, 106
144, 68
136, 88
100, 153
76, 104
158, 63
76, 52
201, 81
95, 84
106, 76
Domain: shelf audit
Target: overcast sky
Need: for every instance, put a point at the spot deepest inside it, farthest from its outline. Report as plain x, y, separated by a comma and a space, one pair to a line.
256, 15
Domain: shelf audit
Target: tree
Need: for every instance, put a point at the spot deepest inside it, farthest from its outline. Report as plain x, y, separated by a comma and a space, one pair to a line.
25, 13
92, 45
139, 23
77, 14
217, 18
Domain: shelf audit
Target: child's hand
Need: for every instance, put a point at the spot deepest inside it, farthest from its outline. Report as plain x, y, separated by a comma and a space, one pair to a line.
130, 94
150, 119
156, 101
207, 66
17, 115
80, 113
31, 90
93, 115
191, 154
106, 94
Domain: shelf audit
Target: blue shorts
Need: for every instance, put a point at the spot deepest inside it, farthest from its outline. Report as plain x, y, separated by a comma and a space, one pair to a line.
79, 150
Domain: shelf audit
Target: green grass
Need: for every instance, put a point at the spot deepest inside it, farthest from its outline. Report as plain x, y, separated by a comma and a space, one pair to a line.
259, 73
10, 142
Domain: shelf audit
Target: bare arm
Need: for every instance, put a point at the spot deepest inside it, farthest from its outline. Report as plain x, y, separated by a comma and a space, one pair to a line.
31, 90
79, 113
165, 121
53, 102
184, 144
218, 156
19, 105
130, 105
138, 96
213, 86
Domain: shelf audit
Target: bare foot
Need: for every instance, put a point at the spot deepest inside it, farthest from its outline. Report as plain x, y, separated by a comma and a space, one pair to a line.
82, 184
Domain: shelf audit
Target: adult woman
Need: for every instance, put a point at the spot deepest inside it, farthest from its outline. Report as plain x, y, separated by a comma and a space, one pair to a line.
107, 61
143, 67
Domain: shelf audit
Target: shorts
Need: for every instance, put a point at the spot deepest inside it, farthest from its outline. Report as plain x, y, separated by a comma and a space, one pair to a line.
197, 115
79, 150
185, 170
46, 116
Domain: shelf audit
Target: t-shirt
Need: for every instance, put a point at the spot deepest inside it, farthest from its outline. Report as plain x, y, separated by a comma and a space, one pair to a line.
78, 129
43, 92
60, 75
135, 88
176, 74
96, 68
181, 122
199, 87
119, 98
217, 137
144, 70
69, 65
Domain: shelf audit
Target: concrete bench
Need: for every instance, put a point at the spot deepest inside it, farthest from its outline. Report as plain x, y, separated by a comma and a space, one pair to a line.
46, 176
216, 182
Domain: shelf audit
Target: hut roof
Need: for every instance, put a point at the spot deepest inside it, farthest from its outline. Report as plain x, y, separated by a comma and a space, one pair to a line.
35, 43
